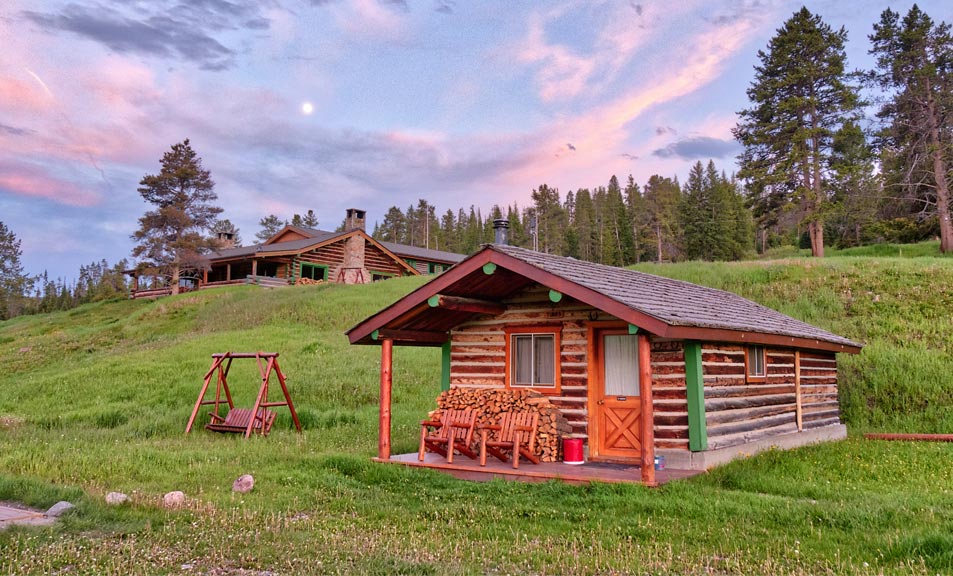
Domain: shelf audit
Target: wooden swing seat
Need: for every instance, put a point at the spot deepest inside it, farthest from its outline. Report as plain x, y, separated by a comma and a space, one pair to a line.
238, 419
245, 421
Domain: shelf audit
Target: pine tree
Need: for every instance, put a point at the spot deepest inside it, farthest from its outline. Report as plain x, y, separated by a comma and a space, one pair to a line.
635, 214
585, 225
270, 225
915, 69
550, 219
661, 197
14, 284
172, 236
394, 226
801, 94
855, 186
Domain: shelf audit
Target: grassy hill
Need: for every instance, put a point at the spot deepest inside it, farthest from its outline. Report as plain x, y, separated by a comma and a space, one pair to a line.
96, 399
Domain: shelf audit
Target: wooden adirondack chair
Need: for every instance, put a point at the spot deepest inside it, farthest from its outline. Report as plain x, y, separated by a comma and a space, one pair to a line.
452, 431
516, 433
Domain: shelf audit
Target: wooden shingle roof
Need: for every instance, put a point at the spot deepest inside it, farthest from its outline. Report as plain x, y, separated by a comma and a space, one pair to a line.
674, 302
665, 307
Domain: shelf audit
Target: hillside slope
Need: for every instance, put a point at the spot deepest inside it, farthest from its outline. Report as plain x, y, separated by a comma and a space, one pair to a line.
96, 399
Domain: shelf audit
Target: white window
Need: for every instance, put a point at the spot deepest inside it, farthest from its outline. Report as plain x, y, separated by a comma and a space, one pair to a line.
533, 360
755, 362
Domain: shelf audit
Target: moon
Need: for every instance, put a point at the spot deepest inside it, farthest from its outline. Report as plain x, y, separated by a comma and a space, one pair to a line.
307, 108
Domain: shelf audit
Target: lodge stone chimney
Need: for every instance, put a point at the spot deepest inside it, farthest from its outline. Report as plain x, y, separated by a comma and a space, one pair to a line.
225, 239
354, 220
501, 229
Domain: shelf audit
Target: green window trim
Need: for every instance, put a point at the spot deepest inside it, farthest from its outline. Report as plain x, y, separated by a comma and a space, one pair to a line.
695, 392
309, 266
445, 366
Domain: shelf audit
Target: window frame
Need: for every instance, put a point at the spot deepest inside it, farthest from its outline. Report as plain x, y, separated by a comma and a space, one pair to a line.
382, 275
510, 365
324, 267
752, 348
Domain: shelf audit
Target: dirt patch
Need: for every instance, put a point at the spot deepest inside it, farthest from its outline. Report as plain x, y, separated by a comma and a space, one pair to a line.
10, 422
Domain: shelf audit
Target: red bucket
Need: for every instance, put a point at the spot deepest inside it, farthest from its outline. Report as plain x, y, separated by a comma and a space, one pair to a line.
572, 451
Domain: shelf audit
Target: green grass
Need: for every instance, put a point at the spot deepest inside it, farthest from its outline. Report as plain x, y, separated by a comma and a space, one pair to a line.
96, 400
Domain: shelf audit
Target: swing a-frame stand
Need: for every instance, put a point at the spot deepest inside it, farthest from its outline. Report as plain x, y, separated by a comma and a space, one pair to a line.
242, 420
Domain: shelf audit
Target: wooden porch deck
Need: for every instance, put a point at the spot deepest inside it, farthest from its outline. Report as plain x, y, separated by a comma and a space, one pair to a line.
467, 469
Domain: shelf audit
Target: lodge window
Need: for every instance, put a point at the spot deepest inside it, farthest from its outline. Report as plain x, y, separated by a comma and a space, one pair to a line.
755, 363
377, 276
533, 358
314, 271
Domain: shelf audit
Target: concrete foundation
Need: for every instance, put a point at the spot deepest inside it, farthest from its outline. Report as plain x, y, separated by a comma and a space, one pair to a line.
685, 460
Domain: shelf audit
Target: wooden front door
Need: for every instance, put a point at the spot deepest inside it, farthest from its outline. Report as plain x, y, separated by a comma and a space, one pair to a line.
614, 397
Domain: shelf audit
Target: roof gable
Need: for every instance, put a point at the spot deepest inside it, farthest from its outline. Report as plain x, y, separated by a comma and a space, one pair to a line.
662, 306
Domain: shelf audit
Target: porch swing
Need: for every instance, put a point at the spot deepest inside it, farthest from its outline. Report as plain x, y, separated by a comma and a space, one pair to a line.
258, 418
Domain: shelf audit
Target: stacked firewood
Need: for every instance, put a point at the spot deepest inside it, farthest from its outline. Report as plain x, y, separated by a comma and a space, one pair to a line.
490, 402
307, 282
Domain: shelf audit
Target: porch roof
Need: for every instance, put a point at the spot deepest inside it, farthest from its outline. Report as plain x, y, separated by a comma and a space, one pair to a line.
662, 306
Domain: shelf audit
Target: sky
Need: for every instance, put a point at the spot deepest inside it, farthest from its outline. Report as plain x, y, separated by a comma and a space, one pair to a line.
334, 104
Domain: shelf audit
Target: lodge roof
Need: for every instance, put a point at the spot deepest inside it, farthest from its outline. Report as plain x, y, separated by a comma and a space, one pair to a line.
664, 307
315, 237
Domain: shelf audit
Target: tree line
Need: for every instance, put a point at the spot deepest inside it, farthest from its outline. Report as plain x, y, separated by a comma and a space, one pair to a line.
612, 224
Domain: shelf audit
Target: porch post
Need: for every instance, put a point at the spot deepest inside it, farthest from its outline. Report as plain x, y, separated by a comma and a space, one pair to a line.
228, 272
648, 415
383, 442
205, 276
135, 283
254, 267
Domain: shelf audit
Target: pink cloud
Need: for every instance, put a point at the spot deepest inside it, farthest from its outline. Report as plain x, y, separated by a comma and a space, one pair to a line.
562, 74
32, 182
600, 136
23, 94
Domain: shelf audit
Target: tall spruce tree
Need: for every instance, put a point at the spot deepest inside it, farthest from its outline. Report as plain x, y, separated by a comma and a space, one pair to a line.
661, 196
270, 225
915, 69
14, 284
855, 186
800, 96
173, 235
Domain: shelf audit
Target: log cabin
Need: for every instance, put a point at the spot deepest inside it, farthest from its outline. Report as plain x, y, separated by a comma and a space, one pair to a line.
308, 255
639, 366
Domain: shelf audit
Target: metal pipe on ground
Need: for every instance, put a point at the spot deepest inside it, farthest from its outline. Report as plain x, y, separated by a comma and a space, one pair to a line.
911, 437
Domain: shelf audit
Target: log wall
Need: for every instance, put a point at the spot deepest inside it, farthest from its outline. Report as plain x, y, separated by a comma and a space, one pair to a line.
738, 410
478, 360
478, 351
332, 256
669, 395
819, 402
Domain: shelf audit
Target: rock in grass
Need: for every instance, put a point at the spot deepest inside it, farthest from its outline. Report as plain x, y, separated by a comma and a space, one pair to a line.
174, 499
244, 484
116, 498
58, 509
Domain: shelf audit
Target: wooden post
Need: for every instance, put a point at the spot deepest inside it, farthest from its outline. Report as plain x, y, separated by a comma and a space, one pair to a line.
648, 414
135, 283
383, 442
797, 391
254, 267
228, 272
205, 276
